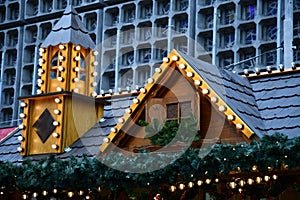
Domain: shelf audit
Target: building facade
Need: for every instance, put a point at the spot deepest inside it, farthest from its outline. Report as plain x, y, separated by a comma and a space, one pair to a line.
132, 37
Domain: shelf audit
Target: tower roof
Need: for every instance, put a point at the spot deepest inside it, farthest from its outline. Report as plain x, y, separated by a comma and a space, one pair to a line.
69, 29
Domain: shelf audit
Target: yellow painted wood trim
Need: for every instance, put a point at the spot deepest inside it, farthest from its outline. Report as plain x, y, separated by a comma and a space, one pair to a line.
174, 58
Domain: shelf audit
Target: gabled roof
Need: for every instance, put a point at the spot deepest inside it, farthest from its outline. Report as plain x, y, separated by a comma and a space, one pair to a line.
266, 103
230, 93
69, 29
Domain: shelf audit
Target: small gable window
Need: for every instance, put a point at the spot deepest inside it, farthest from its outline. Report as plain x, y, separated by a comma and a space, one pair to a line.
179, 110
166, 109
172, 111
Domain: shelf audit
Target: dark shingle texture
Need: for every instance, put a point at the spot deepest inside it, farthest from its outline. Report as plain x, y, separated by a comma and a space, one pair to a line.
88, 144
234, 89
69, 29
278, 100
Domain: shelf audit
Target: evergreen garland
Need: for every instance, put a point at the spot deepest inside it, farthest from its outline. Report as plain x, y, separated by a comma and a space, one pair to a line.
164, 134
274, 154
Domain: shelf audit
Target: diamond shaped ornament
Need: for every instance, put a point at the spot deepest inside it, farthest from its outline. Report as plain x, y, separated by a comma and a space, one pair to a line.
44, 125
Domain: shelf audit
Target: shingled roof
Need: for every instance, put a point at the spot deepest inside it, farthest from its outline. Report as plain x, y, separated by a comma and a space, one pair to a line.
88, 144
234, 89
278, 100
69, 29
267, 103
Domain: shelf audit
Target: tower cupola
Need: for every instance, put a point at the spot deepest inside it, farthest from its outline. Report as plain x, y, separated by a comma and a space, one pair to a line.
65, 106
67, 59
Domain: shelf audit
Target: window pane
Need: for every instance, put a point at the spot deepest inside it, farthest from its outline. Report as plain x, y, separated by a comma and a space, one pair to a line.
186, 109
172, 111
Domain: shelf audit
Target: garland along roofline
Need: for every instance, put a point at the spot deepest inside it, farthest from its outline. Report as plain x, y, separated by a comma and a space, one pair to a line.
274, 156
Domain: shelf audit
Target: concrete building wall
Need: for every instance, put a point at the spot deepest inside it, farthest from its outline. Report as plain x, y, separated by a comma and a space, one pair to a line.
132, 38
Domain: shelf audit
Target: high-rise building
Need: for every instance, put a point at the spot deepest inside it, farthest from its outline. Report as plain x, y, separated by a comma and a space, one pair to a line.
133, 36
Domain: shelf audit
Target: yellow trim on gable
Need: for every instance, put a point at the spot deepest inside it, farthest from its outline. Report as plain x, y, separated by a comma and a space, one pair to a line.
188, 71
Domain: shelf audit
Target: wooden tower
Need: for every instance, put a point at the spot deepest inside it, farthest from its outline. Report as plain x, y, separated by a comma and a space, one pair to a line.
65, 106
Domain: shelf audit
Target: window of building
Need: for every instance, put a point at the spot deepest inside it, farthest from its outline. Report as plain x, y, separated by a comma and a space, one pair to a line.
111, 82
29, 54
144, 55
226, 59
247, 59
93, 37
145, 10
111, 17
108, 81
180, 43
181, 23
110, 38
31, 34
127, 58
127, 35
269, 32
296, 4
32, 7
46, 6
270, 7
11, 57
162, 27
26, 90
248, 35
7, 114
45, 29
208, 2
109, 60
296, 30
160, 51
205, 41
227, 16
12, 38
1, 40
76, 2
145, 31
209, 21
163, 7
181, 5
8, 96
129, 13
60, 4
27, 75
270, 58
9, 77
248, 12
268, 55
227, 39
13, 11
208, 43
126, 78
142, 74
91, 21
2, 13
296, 53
